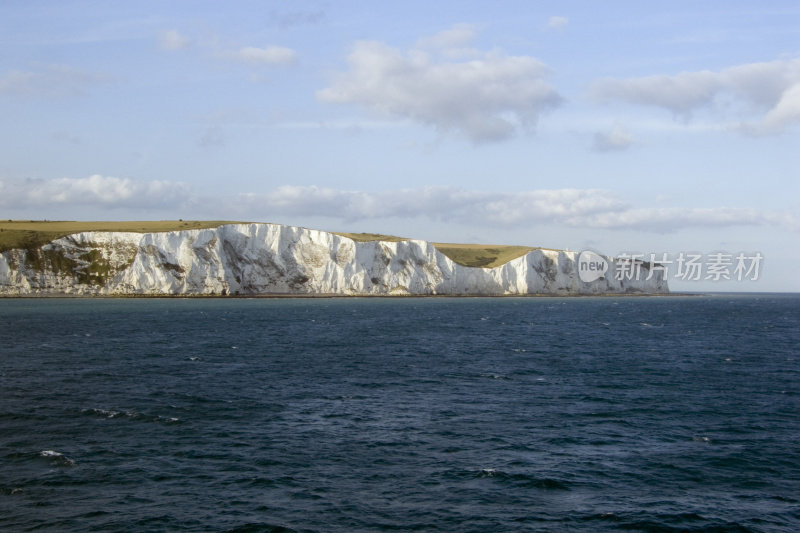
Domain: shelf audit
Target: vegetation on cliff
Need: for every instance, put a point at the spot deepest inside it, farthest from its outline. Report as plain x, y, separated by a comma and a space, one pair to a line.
31, 234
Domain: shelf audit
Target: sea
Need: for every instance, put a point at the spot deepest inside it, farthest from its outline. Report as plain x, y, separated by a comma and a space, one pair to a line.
590, 414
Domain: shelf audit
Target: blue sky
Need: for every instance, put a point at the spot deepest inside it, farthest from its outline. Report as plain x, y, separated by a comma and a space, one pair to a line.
615, 126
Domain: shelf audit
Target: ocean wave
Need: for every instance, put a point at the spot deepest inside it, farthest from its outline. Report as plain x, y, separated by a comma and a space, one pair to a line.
522, 480
614, 438
667, 522
260, 528
132, 415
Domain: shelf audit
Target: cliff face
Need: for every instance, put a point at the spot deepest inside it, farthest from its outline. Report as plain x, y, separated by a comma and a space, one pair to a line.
254, 259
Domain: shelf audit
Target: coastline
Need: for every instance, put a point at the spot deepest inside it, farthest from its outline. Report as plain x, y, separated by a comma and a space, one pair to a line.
330, 296
278, 261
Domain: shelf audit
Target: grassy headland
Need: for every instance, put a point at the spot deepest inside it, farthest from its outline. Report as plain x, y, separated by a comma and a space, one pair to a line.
30, 234
34, 233
367, 237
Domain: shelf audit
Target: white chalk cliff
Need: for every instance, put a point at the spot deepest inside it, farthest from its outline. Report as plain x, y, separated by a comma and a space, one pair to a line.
263, 259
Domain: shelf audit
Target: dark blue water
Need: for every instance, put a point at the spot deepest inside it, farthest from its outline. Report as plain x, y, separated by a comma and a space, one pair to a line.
517, 414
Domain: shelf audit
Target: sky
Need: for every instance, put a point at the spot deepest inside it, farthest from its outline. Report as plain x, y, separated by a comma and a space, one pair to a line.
621, 127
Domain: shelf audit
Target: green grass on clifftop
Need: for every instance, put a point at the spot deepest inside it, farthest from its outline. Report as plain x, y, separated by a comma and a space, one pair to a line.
34, 233
481, 255
30, 234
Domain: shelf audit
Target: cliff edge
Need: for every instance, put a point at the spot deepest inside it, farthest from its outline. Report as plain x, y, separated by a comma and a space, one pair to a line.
273, 259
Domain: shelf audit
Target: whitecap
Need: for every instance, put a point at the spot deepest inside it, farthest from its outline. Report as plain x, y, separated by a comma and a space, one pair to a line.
57, 458
102, 412
132, 415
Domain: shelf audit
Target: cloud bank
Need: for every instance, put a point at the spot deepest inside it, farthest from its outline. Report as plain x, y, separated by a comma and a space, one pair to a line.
95, 190
488, 97
438, 203
582, 208
589, 208
771, 89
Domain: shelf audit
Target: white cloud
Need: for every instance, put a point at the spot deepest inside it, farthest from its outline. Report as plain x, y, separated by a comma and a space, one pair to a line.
271, 55
454, 39
680, 93
783, 115
50, 81
557, 23
95, 190
173, 40
489, 97
268, 55
769, 91
615, 139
